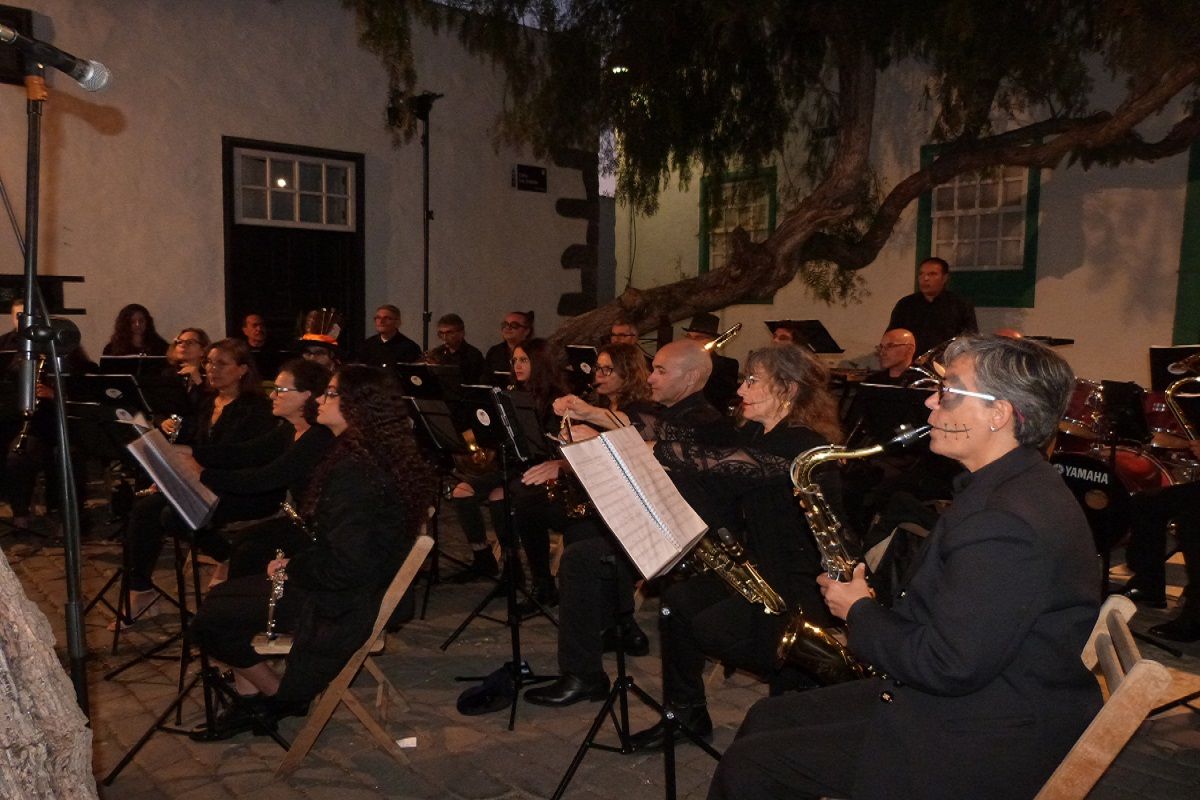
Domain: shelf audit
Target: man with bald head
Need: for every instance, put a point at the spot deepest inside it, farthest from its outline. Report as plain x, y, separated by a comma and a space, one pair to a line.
595, 578
896, 351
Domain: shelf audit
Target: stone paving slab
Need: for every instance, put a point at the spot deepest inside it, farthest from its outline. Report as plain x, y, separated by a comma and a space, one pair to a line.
473, 758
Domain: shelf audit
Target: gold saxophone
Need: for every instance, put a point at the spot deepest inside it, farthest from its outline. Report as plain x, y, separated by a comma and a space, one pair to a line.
804, 645
1176, 409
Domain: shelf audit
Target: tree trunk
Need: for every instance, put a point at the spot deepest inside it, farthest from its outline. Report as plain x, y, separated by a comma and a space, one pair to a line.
45, 744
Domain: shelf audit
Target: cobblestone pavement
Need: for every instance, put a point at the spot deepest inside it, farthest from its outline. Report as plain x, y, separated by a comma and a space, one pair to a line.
455, 756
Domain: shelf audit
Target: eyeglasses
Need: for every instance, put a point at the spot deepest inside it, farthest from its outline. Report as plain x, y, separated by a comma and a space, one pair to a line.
218, 364
943, 390
179, 342
512, 326
331, 393
283, 389
520, 360
750, 380
605, 371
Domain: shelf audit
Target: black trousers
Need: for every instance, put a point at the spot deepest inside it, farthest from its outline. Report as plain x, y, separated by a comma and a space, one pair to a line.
702, 617
595, 584
235, 611
1151, 511
798, 746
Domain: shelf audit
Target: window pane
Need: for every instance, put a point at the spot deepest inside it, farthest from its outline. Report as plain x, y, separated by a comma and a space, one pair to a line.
310, 177
964, 254
989, 226
965, 196
336, 210
254, 203
985, 253
989, 194
254, 171
1013, 225
283, 206
1011, 254
282, 174
945, 228
336, 180
944, 199
967, 227
1014, 191
310, 208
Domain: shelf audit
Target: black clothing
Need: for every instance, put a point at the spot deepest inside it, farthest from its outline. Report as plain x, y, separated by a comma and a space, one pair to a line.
246, 416
467, 358
498, 359
986, 692
154, 345
934, 321
1146, 553
333, 589
239, 469
397, 350
721, 388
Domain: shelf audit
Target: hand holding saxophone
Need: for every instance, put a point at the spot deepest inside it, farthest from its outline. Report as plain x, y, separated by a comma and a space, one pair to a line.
841, 595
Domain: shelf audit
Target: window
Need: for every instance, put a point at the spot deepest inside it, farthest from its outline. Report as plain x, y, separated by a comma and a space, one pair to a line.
285, 190
985, 225
745, 200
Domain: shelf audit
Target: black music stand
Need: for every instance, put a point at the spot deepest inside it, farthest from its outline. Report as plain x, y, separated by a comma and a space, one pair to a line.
581, 360
138, 365
507, 421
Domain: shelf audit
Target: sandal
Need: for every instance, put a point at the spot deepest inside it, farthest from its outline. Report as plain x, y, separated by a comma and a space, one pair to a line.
139, 603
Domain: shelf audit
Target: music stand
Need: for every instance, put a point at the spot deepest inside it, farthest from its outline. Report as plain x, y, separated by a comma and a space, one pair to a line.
809, 332
1163, 359
137, 366
430, 381
581, 360
508, 422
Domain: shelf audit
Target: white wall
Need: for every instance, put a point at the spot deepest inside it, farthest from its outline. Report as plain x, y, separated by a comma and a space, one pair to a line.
131, 189
1108, 255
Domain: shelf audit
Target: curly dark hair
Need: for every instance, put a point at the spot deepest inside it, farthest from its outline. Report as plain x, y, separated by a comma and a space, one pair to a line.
379, 434
121, 342
547, 372
630, 363
311, 377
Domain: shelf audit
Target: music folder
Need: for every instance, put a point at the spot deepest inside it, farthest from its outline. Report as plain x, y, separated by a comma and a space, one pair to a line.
631, 490
194, 501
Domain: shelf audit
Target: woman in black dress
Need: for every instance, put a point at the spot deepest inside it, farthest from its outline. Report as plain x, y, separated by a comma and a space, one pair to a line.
365, 505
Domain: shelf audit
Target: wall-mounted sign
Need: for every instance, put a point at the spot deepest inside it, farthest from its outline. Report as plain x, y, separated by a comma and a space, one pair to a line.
528, 178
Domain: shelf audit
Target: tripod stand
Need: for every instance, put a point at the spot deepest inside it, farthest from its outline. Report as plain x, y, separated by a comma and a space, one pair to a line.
619, 696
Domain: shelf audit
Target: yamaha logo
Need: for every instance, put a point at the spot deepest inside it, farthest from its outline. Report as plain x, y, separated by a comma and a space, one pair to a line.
1083, 474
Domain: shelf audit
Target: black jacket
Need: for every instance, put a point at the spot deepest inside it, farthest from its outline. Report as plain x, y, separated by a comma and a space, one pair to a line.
397, 350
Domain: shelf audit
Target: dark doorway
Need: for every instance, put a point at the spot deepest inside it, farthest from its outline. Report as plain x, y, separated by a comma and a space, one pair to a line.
294, 235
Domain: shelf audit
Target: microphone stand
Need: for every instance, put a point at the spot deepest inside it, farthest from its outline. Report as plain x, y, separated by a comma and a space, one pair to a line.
37, 335
422, 104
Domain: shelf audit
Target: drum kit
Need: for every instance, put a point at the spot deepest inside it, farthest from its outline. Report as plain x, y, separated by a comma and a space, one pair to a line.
1116, 440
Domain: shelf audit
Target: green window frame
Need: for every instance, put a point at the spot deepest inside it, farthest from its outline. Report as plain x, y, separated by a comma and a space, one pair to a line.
1007, 288
766, 175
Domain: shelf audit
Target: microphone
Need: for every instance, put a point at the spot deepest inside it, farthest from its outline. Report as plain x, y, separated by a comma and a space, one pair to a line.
91, 75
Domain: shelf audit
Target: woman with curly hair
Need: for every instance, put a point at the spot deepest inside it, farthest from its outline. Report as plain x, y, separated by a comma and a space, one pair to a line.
134, 334
365, 505
621, 383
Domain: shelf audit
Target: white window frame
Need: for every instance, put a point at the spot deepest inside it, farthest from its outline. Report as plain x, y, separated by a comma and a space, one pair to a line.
293, 188
979, 220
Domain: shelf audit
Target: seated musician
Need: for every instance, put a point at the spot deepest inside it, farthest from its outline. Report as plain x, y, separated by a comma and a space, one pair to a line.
388, 346
982, 691
134, 334
184, 370
748, 490
896, 350
366, 502
319, 341
721, 389
455, 350
595, 577
235, 410
516, 327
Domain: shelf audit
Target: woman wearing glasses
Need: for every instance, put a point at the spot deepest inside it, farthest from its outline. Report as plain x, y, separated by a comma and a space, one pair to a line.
985, 692
365, 504
234, 410
621, 384
184, 368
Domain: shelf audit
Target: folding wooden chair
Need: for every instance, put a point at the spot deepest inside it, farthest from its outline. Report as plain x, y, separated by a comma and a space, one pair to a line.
1133, 686
338, 691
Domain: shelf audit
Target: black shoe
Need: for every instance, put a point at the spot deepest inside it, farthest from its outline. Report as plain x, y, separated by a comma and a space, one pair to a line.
570, 689
1180, 629
694, 718
247, 714
1150, 598
634, 642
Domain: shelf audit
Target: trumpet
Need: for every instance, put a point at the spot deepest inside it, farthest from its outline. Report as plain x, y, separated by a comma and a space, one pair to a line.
723, 339
1185, 365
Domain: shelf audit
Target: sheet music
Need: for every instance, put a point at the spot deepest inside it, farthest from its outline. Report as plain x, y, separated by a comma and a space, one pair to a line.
194, 501
636, 498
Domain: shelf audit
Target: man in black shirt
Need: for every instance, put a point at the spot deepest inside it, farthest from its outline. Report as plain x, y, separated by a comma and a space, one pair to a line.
455, 350
389, 346
722, 385
516, 327
934, 314
896, 351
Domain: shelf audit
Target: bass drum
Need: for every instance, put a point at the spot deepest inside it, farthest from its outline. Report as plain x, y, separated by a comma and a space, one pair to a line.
1084, 410
1103, 490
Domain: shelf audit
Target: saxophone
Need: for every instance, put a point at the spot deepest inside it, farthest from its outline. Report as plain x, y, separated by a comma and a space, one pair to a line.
1173, 404
804, 645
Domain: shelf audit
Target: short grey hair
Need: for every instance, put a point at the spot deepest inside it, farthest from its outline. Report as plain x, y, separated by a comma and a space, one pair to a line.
1033, 378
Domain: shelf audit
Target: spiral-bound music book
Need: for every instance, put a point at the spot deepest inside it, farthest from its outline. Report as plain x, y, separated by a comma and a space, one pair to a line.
194, 501
636, 498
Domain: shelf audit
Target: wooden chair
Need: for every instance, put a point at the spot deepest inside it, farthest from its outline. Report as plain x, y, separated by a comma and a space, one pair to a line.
1133, 686
338, 691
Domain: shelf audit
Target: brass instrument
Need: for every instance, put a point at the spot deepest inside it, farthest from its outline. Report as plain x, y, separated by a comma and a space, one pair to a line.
721, 554
1185, 365
39, 370
1173, 404
723, 339
808, 646
566, 489
291, 513
174, 434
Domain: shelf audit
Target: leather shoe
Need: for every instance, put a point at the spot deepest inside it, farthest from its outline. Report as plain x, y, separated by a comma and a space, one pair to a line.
1146, 597
247, 714
634, 642
694, 718
570, 689
1180, 629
